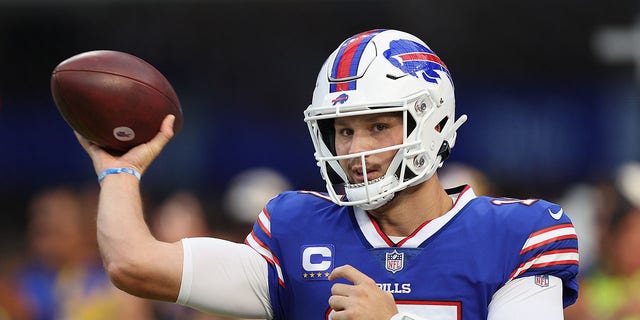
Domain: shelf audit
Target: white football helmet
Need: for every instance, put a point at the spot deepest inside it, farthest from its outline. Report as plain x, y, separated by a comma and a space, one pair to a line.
381, 71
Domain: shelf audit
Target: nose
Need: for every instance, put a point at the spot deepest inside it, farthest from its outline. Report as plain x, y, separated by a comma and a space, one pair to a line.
360, 142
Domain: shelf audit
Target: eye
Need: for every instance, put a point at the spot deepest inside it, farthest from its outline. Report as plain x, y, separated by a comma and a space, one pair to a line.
380, 127
345, 132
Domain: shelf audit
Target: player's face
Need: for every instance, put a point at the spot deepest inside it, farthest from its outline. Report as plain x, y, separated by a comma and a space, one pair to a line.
363, 133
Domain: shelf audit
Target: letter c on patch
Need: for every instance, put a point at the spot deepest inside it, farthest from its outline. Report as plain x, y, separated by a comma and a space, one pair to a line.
317, 257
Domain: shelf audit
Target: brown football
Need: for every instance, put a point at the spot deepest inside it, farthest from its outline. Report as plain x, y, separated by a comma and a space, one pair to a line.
113, 98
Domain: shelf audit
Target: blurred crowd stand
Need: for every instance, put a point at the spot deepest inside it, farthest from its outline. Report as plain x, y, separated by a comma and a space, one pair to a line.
60, 274
610, 285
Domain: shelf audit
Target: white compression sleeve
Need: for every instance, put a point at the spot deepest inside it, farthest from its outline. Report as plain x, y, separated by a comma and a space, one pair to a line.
523, 299
224, 277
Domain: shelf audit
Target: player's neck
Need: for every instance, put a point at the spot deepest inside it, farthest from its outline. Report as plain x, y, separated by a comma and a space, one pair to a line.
413, 207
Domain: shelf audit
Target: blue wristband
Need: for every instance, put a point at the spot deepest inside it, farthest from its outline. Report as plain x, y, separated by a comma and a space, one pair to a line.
116, 171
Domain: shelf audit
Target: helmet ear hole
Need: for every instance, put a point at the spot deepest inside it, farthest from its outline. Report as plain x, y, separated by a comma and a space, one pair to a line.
441, 124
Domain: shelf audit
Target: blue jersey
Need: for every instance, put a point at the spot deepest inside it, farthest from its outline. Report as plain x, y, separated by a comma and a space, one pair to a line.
449, 268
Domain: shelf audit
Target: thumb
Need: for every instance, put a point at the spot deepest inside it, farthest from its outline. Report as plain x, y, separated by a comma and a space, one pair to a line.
166, 133
142, 155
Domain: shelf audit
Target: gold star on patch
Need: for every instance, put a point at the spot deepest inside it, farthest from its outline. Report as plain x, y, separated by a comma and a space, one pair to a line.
326, 274
312, 275
304, 275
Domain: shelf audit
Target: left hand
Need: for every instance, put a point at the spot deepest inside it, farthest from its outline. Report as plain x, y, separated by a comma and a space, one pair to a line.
362, 300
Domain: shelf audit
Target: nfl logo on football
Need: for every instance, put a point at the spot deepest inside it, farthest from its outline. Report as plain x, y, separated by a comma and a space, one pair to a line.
394, 261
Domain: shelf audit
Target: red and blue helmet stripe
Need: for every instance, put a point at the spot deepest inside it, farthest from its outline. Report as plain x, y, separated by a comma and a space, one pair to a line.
345, 65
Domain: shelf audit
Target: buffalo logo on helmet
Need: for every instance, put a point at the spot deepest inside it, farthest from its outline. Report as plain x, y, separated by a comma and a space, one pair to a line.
340, 99
415, 59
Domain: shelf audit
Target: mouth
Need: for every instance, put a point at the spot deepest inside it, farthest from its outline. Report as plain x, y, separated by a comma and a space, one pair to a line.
357, 176
362, 184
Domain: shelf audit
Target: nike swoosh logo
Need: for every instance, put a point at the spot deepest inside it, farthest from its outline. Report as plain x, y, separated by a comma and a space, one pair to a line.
555, 215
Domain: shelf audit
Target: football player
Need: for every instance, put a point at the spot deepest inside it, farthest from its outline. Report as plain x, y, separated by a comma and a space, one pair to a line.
386, 241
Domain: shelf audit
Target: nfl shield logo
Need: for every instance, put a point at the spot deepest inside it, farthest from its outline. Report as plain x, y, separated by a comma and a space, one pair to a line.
394, 261
542, 280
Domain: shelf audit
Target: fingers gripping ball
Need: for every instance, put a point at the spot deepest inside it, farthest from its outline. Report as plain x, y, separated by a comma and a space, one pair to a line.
114, 99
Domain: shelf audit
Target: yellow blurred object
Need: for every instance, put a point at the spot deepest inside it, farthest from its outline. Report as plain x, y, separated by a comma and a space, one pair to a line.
612, 297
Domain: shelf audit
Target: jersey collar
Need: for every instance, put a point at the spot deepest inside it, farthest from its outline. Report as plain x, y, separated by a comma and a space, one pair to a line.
371, 232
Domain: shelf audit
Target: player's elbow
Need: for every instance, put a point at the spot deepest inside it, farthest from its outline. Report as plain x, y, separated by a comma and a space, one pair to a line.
127, 275
153, 272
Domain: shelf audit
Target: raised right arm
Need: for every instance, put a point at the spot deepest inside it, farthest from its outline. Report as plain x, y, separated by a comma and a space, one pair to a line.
135, 261
205, 273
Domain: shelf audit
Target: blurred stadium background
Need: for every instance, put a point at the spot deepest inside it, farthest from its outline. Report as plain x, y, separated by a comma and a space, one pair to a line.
552, 88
